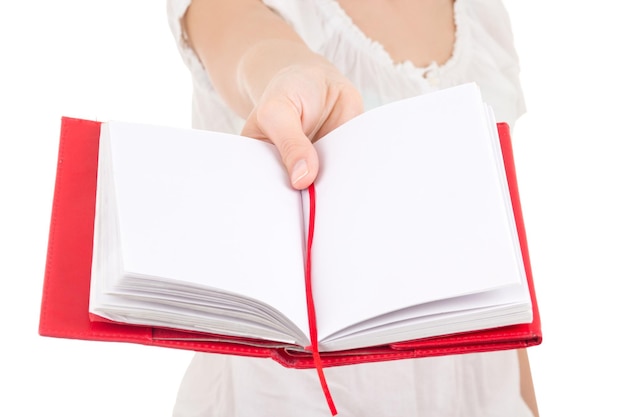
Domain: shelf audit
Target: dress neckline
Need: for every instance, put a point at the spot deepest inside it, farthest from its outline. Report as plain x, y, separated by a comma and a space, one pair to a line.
337, 13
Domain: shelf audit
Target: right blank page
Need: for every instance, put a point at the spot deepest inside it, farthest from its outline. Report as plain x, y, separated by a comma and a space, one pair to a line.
411, 208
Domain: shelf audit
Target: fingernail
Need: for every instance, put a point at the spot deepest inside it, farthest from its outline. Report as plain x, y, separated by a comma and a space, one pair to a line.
299, 171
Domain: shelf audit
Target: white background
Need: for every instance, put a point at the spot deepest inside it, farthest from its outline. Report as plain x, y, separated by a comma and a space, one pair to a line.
117, 60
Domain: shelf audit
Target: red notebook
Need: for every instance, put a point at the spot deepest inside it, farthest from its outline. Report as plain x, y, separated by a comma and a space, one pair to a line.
64, 308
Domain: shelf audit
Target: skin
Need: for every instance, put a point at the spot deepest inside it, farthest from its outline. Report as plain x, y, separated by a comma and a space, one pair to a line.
288, 95
291, 96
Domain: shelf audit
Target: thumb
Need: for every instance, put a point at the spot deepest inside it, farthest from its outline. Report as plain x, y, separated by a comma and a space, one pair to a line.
279, 122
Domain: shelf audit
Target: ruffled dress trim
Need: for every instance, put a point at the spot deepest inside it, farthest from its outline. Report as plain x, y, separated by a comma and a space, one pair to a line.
338, 20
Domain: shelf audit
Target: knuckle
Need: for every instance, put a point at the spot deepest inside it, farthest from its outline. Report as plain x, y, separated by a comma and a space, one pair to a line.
290, 149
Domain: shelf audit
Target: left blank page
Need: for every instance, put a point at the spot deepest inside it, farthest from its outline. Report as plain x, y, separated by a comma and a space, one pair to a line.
208, 210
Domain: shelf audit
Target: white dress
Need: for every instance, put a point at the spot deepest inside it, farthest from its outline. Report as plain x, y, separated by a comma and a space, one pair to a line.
485, 384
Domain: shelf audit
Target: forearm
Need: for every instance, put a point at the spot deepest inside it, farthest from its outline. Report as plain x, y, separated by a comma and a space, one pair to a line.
526, 382
243, 45
288, 94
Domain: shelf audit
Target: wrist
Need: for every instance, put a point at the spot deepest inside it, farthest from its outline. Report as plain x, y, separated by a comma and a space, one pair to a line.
267, 60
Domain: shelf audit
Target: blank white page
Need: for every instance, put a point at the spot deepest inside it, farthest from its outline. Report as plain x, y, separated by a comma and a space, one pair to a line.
209, 209
410, 209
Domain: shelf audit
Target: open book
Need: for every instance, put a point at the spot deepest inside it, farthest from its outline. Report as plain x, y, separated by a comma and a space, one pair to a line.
414, 236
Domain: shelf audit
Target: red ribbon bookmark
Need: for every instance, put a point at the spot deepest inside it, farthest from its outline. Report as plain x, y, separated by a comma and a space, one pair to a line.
317, 359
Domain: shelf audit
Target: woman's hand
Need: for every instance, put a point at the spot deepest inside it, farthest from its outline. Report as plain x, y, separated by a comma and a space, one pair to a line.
263, 70
300, 104
288, 95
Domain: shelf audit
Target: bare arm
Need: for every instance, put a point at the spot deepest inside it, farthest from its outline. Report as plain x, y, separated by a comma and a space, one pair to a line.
264, 71
526, 382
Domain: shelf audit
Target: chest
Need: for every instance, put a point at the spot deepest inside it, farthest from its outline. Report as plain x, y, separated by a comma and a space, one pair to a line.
420, 31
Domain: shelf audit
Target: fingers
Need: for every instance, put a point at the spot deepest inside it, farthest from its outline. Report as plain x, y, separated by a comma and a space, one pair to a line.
347, 105
301, 104
279, 122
